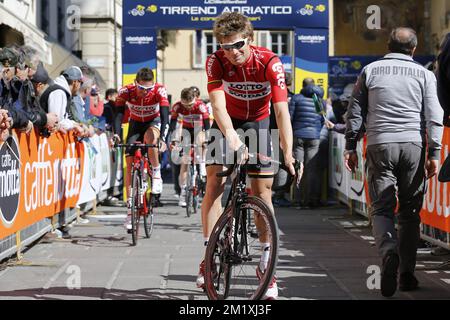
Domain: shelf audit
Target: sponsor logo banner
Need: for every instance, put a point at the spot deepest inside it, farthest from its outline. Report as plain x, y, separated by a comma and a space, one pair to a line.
48, 171
196, 14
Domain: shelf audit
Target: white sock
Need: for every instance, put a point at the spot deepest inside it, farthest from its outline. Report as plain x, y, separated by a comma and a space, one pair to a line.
265, 248
205, 241
157, 172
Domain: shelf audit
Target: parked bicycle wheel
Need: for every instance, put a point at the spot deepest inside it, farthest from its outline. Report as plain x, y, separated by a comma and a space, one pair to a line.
233, 256
135, 204
149, 215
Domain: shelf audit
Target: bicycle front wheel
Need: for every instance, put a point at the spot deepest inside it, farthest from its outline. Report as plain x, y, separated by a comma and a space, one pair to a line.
234, 255
135, 206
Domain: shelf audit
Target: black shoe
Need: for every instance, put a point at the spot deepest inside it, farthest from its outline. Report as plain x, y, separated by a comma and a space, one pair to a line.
156, 203
389, 274
408, 282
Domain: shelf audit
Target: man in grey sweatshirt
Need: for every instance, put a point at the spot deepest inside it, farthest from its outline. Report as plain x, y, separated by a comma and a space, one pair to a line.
395, 101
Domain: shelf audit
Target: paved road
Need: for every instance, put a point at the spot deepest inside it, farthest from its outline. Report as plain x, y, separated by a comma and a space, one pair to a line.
324, 254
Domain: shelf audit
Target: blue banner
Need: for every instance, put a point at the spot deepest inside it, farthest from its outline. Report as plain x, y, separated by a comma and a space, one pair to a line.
344, 70
311, 57
139, 50
200, 14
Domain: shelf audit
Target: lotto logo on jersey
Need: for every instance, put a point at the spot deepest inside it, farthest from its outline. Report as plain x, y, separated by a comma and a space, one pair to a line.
279, 71
247, 91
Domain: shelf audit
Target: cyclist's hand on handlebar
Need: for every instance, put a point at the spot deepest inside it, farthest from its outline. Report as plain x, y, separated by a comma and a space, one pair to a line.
242, 154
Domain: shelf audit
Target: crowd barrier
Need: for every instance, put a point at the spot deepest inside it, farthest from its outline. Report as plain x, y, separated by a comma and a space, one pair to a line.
351, 189
45, 183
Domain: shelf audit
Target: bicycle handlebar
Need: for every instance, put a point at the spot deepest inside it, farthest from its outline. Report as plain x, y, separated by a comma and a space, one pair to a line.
289, 180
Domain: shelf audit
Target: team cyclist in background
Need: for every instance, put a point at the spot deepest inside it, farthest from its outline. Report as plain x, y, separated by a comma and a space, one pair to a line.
149, 119
195, 121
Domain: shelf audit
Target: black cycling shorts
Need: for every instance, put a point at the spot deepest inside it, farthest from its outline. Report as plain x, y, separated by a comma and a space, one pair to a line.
136, 132
257, 139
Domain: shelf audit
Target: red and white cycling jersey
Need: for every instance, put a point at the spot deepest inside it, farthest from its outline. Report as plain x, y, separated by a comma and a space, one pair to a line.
198, 112
250, 87
143, 109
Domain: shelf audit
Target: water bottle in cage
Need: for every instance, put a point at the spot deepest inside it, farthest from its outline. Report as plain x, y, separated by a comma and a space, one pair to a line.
144, 180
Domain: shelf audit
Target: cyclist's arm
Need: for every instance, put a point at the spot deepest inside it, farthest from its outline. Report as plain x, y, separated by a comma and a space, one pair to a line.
172, 127
164, 112
205, 116
276, 75
164, 122
120, 106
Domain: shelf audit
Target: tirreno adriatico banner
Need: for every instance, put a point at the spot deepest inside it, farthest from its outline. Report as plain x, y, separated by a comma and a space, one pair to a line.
308, 19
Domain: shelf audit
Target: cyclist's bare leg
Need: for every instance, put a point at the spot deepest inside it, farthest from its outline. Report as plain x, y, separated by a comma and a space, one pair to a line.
212, 203
200, 152
262, 188
183, 174
151, 137
129, 160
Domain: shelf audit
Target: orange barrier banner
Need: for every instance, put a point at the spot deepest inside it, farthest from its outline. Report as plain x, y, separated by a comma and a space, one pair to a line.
39, 177
436, 207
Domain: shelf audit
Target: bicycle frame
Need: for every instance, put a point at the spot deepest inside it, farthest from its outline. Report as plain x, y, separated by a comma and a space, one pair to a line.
141, 162
238, 196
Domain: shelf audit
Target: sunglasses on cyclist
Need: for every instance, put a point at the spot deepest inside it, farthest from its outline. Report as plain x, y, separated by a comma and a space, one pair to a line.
144, 88
236, 45
188, 104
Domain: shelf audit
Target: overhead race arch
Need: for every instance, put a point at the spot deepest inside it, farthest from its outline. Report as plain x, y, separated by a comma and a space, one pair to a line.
307, 18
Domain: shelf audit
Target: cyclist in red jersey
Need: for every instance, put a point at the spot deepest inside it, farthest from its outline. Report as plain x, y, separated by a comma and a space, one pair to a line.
149, 118
242, 79
195, 122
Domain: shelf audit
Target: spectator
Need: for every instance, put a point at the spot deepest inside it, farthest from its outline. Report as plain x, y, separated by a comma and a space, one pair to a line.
96, 106
307, 124
41, 83
10, 85
323, 154
397, 100
60, 99
339, 110
279, 197
81, 112
108, 110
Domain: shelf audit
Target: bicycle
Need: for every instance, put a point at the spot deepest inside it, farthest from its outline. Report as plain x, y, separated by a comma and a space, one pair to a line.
141, 198
233, 252
195, 186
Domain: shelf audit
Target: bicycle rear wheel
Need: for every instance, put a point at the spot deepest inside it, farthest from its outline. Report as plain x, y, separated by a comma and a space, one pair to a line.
135, 206
149, 215
230, 273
